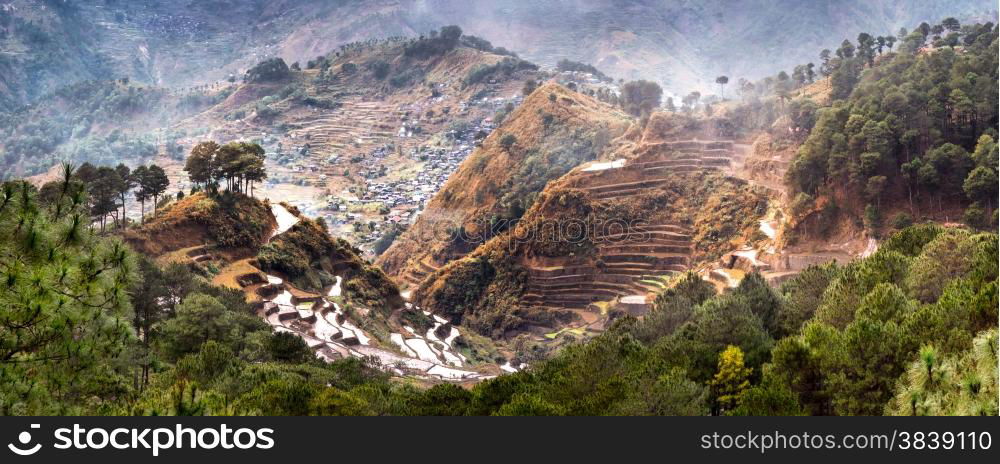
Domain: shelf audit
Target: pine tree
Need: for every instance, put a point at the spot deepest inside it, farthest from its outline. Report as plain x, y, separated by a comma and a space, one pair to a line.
64, 303
732, 379
154, 183
200, 164
958, 384
139, 175
127, 183
722, 81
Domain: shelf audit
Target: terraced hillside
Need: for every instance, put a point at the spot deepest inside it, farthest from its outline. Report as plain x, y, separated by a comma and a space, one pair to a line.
602, 239
345, 108
550, 133
304, 282
357, 123
632, 266
635, 259
309, 284
335, 329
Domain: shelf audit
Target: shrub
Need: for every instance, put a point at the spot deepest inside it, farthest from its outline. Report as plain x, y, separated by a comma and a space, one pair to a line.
902, 220
506, 66
439, 43
267, 71
508, 141
379, 69
568, 65
872, 218
974, 216
407, 77
266, 113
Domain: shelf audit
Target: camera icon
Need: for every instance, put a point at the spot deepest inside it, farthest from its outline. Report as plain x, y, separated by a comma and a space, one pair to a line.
25, 438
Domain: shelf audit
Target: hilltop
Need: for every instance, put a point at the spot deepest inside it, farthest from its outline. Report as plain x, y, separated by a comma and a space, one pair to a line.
230, 232
232, 222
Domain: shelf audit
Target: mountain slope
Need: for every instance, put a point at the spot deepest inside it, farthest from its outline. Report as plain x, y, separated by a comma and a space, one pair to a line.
551, 132
604, 237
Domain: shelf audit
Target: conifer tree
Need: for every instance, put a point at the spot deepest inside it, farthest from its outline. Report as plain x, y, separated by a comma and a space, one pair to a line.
63, 300
732, 379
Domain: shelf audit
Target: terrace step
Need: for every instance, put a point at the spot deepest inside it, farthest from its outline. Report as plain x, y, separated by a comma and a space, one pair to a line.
581, 289
198, 251
640, 269
410, 279
643, 248
643, 233
695, 166
426, 268
648, 258
625, 186
562, 301
602, 294
545, 284
664, 228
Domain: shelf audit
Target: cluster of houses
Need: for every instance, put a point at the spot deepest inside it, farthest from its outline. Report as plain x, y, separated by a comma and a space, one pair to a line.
400, 201
438, 164
367, 213
170, 25
364, 213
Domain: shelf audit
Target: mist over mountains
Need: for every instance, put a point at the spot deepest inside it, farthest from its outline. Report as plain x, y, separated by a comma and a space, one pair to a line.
681, 44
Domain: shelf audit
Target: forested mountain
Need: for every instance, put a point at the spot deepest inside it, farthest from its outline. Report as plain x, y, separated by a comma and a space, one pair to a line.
907, 133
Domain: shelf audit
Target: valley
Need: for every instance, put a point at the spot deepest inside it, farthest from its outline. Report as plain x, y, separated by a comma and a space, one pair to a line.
374, 216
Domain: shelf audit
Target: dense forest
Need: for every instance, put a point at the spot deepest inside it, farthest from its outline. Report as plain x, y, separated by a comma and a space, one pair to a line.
915, 127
